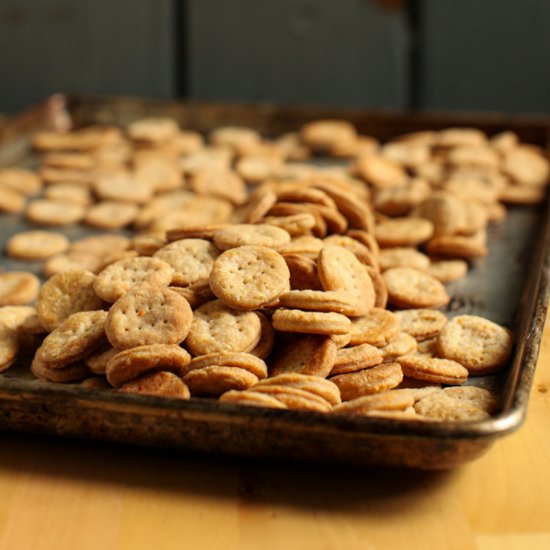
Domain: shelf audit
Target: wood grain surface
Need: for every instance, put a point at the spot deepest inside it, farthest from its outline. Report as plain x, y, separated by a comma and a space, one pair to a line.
58, 494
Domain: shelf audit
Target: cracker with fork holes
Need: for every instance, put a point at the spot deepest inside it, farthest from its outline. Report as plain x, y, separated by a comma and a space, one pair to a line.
249, 277
217, 327
121, 276
148, 315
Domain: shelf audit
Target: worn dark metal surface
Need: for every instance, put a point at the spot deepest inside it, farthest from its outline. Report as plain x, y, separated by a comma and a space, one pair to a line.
511, 286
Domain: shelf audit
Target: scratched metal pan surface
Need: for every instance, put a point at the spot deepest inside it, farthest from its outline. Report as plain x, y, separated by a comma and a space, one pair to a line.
510, 286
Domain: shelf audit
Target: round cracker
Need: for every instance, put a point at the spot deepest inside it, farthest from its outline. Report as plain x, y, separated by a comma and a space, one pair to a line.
404, 344
251, 399
11, 201
122, 186
304, 354
294, 224
306, 245
132, 363
259, 205
480, 397
297, 193
191, 259
220, 182
119, 277
381, 172
410, 288
16, 317
36, 245
394, 400
399, 201
73, 259
73, 372
318, 300
249, 277
378, 328
161, 172
368, 381
340, 270
526, 167
245, 361
101, 244
356, 358
239, 138
441, 408
448, 270
66, 293
22, 180
283, 209
161, 383
403, 257
77, 336
364, 254
445, 211
458, 246
317, 385
216, 328
55, 212
295, 398
203, 231
321, 135
111, 214
18, 288
148, 315
153, 129
477, 343
422, 324
404, 232
233, 236
215, 380
70, 192
310, 322
431, 369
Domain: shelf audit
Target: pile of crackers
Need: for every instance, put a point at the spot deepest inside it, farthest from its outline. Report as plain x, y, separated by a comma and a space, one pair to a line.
252, 274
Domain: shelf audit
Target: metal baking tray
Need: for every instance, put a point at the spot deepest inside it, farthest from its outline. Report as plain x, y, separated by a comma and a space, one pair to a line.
510, 286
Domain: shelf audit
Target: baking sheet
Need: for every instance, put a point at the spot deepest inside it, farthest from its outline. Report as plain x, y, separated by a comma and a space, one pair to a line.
510, 287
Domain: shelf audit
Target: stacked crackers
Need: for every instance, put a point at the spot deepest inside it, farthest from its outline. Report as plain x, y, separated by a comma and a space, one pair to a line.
257, 278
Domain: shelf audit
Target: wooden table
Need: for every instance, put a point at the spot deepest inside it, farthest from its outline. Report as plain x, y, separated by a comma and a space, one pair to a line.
57, 494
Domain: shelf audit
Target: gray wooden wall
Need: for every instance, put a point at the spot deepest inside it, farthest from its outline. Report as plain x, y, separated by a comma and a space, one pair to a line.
317, 51
96, 46
430, 54
485, 54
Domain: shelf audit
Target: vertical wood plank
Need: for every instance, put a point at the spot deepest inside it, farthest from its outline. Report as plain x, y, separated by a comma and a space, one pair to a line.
491, 55
350, 52
85, 46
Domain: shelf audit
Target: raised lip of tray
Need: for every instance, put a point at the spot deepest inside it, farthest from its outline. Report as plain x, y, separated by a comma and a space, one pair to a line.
530, 320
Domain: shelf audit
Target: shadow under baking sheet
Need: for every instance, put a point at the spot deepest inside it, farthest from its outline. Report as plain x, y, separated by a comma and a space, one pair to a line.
172, 473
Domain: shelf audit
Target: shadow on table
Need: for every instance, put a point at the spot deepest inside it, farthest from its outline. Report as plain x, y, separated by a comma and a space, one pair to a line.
313, 487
